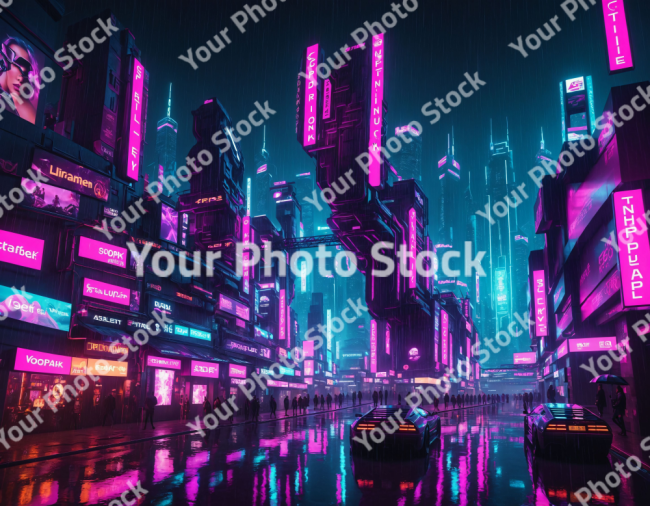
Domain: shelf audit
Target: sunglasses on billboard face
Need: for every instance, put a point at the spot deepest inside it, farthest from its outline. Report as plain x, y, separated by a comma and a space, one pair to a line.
10, 57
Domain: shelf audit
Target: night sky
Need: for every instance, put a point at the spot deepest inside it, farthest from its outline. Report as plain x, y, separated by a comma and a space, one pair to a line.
426, 56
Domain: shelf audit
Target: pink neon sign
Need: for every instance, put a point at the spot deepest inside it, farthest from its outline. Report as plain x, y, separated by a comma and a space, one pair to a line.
236, 371
282, 315
311, 97
618, 38
135, 120
288, 327
413, 246
634, 252
592, 344
107, 292
21, 250
205, 369
165, 363
308, 348
541, 316
308, 368
387, 339
525, 358
562, 350
376, 109
36, 361
373, 346
102, 252
445, 336
327, 99
246, 237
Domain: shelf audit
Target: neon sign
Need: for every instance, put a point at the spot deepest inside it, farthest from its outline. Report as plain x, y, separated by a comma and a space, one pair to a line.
36, 361
618, 38
445, 336
282, 315
107, 292
525, 358
246, 237
102, 252
634, 252
135, 120
311, 97
373, 345
541, 316
376, 109
592, 344
165, 363
413, 247
327, 104
21, 250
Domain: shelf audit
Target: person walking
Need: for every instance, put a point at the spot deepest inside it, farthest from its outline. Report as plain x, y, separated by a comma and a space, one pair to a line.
453, 401
294, 405
436, 402
256, 409
329, 401
207, 409
375, 398
354, 398
274, 406
399, 398
600, 400
109, 408
247, 408
286, 406
315, 402
446, 400
550, 393
360, 396
619, 405
322, 401
76, 415
150, 403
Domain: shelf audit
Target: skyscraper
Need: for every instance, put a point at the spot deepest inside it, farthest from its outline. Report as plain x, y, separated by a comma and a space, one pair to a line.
166, 143
263, 202
408, 161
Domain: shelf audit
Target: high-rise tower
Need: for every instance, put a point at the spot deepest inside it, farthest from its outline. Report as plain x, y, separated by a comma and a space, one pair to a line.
263, 201
166, 143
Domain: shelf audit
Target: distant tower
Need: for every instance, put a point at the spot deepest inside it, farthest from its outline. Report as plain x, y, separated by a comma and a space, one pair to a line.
263, 201
166, 142
451, 218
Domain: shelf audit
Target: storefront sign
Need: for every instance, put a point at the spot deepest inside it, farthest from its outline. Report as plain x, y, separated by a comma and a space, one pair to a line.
380, 375
634, 248
200, 334
205, 369
105, 291
36, 361
106, 349
71, 176
135, 120
308, 367
562, 350
36, 309
232, 307
541, 313
592, 344
254, 350
284, 371
327, 99
165, 363
79, 366
618, 38
104, 319
278, 384
102, 252
236, 371
21, 250
525, 358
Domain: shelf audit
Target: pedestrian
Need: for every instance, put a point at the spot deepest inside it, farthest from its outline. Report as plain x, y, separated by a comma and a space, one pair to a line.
76, 416
600, 400
375, 398
399, 399
274, 406
453, 401
232, 401
109, 408
322, 401
329, 401
345, 398
207, 409
619, 405
294, 405
508, 398
436, 402
340, 400
247, 408
315, 402
150, 403
133, 408
354, 398
360, 396
256, 409
446, 400
550, 393
286, 406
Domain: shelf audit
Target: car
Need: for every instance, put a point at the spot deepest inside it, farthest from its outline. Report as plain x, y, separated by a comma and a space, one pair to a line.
567, 427
420, 429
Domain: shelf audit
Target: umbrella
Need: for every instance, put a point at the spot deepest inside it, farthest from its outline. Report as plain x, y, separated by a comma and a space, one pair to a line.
609, 379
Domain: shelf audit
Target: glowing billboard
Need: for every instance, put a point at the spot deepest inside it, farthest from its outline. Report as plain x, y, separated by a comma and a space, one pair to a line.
541, 315
282, 315
311, 97
167, 363
135, 122
413, 246
236, 371
525, 358
592, 344
634, 248
204, 369
618, 38
37, 361
445, 336
102, 252
246, 237
107, 292
21, 250
376, 109
308, 368
501, 288
36, 309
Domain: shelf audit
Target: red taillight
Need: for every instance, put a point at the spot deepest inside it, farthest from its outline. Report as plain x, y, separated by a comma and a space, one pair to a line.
556, 427
365, 426
407, 428
597, 428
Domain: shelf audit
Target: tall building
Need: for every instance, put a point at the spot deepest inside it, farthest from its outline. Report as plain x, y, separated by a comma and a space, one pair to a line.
304, 187
408, 161
166, 143
450, 220
263, 203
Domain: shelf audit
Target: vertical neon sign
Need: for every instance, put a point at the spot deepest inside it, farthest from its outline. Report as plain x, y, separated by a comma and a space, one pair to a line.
634, 252
135, 128
618, 38
282, 315
288, 326
413, 246
327, 97
376, 109
541, 317
311, 97
329, 329
373, 346
445, 336
246, 237
387, 339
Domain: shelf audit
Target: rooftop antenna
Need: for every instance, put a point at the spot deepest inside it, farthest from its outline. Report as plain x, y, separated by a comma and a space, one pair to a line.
265, 153
507, 133
542, 143
491, 143
452, 140
169, 102
448, 144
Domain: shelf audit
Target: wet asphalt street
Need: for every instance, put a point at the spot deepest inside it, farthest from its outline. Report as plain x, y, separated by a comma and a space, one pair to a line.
480, 461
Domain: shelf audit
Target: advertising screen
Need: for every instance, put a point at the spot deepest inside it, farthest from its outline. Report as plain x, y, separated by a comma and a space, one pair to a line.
168, 224
445, 336
308, 367
36, 361
164, 386
23, 63
101, 367
308, 348
168, 363
592, 344
35, 309
79, 366
228, 305
102, 252
199, 393
236, 371
71, 176
501, 286
525, 358
21, 250
205, 369
376, 108
106, 291
50, 198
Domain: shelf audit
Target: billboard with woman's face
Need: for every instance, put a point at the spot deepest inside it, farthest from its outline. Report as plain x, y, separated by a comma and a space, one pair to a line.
20, 65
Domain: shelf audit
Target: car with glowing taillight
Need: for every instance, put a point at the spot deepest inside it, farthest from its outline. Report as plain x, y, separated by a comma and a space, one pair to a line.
413, 429
567, 427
